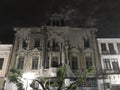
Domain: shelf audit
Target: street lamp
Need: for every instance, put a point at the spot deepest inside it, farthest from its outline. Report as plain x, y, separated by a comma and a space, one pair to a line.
26, 79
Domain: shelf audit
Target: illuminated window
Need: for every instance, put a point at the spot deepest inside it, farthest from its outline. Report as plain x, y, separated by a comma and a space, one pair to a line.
20, 62
74, 63
35, 63
1, 62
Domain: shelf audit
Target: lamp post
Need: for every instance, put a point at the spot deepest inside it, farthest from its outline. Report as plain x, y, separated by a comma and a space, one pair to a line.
26, 78
26, 85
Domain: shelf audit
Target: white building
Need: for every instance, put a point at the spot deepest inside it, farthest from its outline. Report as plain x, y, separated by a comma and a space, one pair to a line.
5, 54
109, 76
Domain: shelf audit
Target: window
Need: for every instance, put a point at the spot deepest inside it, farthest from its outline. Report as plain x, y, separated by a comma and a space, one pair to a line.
24, 45
1, 62
88, 62
115, 64
107, 85
47, 62
91, 82
111, 48
107, 64
20, 62
62, 22
54, 22
35, 63
86, 43
54, 62
104, 49
74, 63
37, 42
48, 44
55, 45
118, 46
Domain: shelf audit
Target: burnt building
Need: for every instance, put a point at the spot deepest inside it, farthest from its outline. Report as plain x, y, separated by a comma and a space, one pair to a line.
40, 51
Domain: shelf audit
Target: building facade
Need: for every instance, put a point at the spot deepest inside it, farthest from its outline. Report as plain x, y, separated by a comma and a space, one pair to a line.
5, 54
39, 51
109, 50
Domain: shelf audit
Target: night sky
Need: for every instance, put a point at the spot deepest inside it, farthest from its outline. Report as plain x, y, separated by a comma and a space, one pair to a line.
30, 13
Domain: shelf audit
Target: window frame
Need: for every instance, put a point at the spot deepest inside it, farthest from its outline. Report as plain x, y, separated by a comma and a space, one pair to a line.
107, 64
37, 42
115, 64
1, 63
88, 60
54, 59
74, 63
118, 47
35, 61
111, 48
20, 63
104, 48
